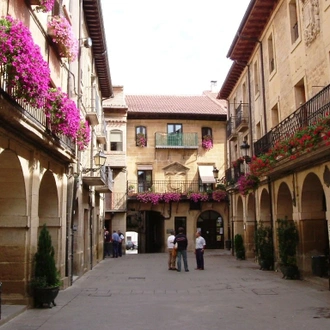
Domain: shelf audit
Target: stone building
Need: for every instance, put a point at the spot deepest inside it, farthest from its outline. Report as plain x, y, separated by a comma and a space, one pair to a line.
278, 97
175, 145
47, 172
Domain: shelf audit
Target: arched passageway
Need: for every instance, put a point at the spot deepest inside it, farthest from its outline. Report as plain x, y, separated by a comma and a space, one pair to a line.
314, 239
210, 223
13, 227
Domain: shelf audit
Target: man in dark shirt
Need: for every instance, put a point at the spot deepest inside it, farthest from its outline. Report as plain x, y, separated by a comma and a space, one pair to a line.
182, 242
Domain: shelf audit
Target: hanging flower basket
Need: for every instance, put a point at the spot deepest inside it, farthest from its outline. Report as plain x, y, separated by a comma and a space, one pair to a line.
43, 5
27, 73
207, 142
60, 30
246, 183
141, 140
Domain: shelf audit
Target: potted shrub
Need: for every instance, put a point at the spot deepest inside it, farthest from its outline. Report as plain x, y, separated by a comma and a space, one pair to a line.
264, 246
239, 247
46, 282
288, 239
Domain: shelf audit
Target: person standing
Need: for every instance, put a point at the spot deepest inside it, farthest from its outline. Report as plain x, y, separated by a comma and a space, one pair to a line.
199, 250
120, 243
181, 250
115, 243
171, 251
107, 241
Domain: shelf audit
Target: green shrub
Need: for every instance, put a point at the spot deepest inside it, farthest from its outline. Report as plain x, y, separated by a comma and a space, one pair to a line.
45, 271
239, 247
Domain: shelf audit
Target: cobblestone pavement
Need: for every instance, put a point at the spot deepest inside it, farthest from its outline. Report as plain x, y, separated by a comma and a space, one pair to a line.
138, 292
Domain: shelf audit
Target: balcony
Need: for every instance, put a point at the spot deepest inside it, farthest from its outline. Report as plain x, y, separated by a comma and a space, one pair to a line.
31, 122
231, 129
314, 110
100, 178
162, 186
242, 117
101, 133
176, 141
116, 202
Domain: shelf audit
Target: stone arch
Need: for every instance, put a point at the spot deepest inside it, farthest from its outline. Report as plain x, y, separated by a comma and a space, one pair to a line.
265, 211
249, 228
313, 230
238, 229
13, 225
211, 225
48, 208
284, 202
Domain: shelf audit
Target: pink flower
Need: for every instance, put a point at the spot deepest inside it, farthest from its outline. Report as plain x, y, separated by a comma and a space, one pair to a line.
64, 37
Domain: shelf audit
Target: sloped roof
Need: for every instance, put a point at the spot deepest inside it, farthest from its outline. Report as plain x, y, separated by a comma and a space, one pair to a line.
246, 40
94, 21
174, 106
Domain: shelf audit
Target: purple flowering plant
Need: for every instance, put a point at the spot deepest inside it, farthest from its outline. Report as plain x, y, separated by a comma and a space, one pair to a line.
171, 197
44, 5
246, 183
141, 140
63, 113
62, 34
149, 197
207, 142
83, 135
219, 195
199, 196
28, 74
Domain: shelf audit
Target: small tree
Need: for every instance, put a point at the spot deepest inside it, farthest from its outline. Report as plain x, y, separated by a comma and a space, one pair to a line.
239, 247
288, 239
264, 246
46, 274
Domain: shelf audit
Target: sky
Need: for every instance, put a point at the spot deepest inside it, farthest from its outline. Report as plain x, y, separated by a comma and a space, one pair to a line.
172, 47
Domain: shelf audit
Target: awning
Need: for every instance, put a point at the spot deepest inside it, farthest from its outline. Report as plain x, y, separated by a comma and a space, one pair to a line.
144, 167
206, 173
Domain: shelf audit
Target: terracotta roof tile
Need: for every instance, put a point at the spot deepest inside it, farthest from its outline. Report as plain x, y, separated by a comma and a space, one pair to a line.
174, 104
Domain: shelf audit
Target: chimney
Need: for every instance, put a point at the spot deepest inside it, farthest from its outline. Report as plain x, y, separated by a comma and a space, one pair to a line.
214, 86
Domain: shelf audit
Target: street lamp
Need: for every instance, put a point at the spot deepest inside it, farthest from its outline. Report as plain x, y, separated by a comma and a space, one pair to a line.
245, 147
215, 173
99, 161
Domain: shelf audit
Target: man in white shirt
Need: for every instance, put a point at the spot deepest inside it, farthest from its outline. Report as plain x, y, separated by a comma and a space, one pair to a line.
170, 248
199, 250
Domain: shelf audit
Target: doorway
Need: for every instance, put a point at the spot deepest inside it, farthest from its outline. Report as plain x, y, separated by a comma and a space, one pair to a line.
210, 223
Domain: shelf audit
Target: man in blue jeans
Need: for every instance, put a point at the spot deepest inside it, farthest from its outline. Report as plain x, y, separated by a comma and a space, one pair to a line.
115, 243
182, 242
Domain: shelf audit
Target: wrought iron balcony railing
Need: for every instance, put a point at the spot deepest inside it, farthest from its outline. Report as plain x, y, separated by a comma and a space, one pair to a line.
176, 141
242, 116
162, 186
37, 116
316, 108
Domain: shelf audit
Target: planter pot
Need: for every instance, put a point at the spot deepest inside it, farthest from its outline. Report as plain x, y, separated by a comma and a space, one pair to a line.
45, 296
240, 254
290, 272
265, 264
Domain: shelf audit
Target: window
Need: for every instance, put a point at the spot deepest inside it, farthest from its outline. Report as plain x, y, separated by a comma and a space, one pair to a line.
293, 20
116, 140
141, 136
256, 78
275, 115
174, 134
206, 131
271, 54
144, 180
207, 140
